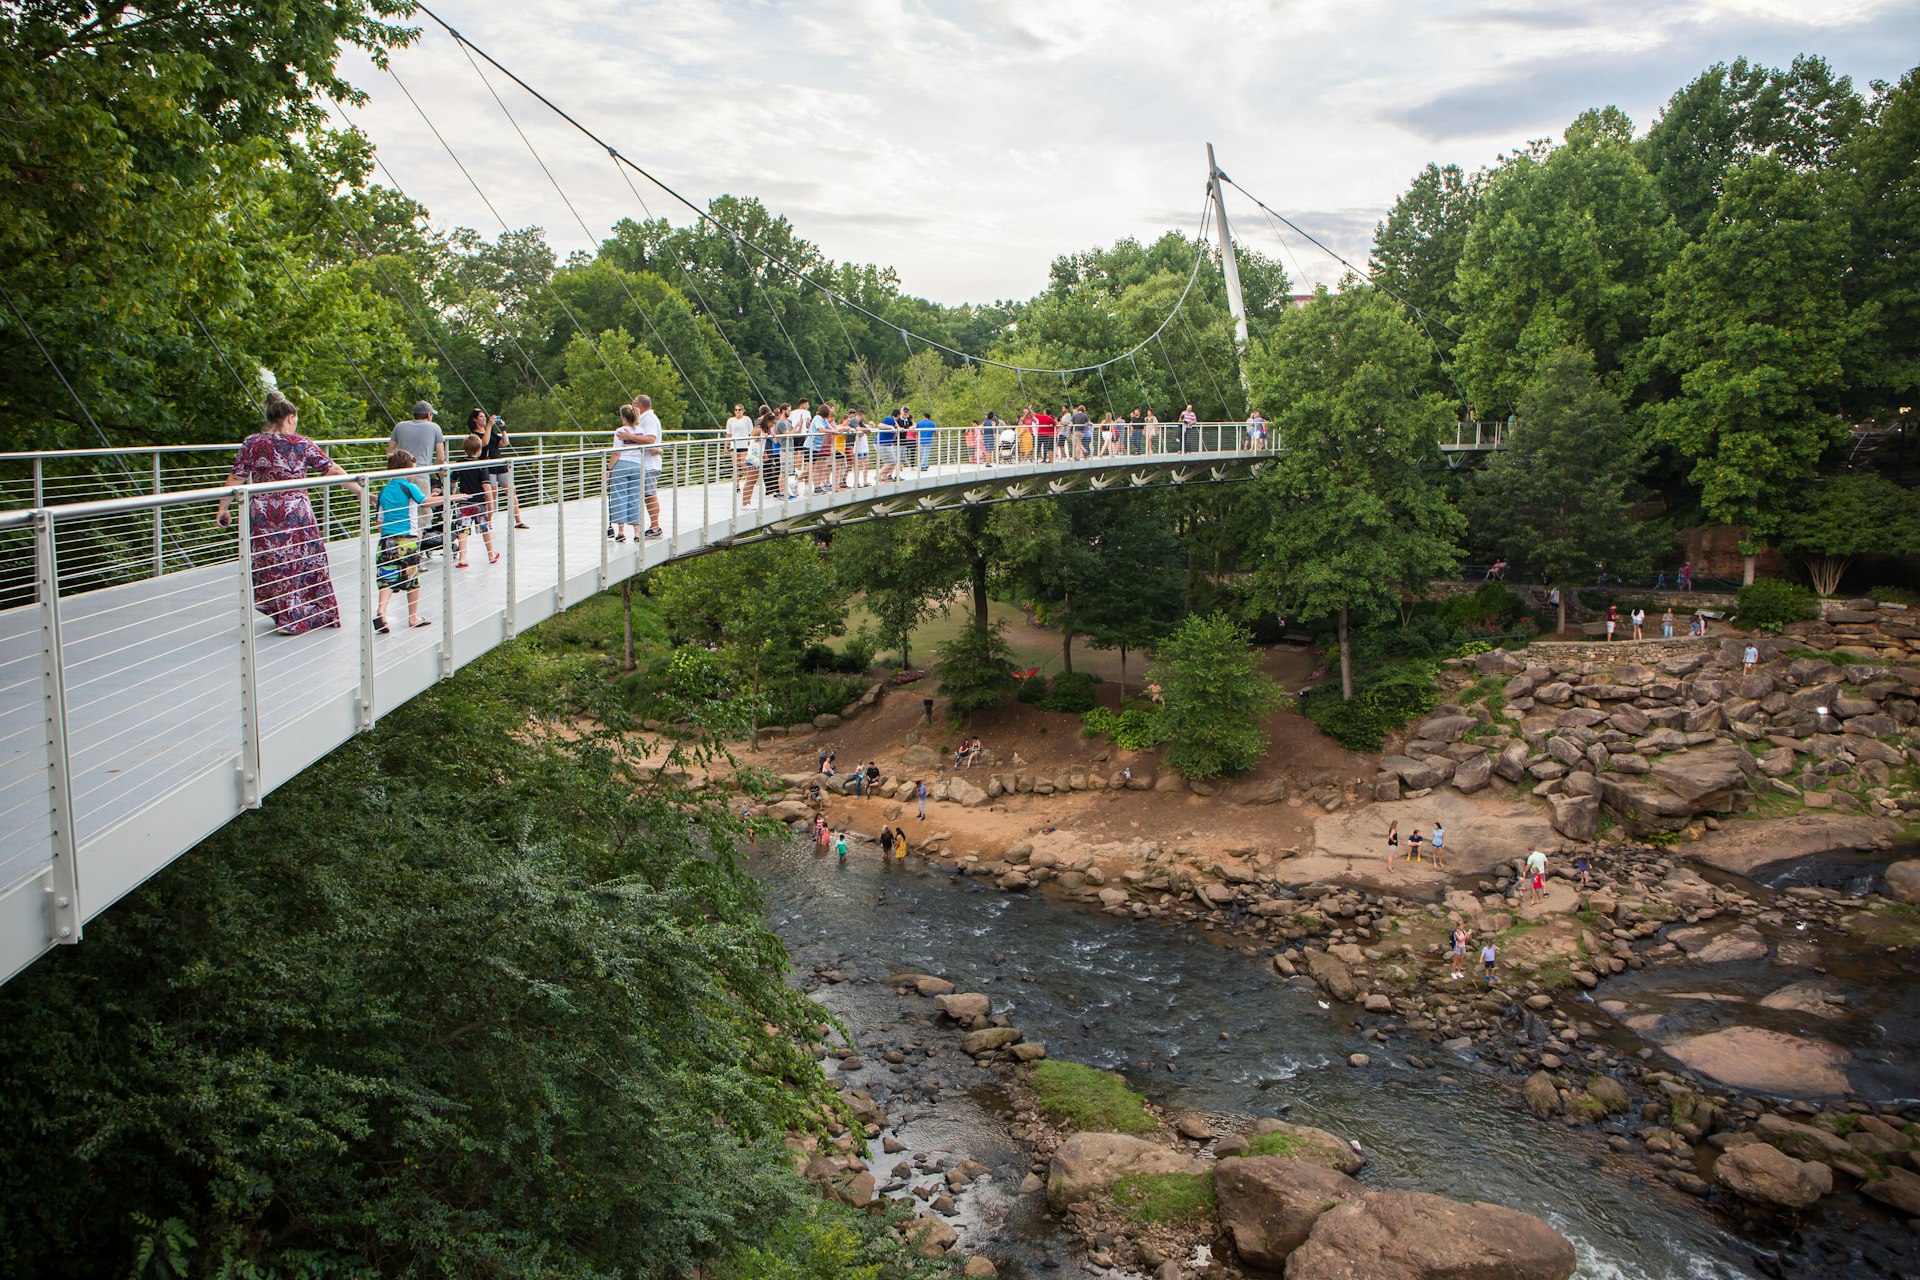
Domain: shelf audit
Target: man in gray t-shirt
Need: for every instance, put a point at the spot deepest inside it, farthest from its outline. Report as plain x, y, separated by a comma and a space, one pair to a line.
421, 437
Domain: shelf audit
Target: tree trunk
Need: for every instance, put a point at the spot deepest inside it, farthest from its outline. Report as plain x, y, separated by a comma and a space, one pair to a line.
1123, 675
1066, 633
1346, 660
627, 662
1562, 628
980, 594
1826, 572
1746, 569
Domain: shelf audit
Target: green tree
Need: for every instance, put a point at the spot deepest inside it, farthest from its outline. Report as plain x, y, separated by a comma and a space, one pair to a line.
1214, 699
1565, 248
1129, 591
139, 147
1847, 516
602, 373
1416, 250
1753, 327
1351, 516
1557, 498
1878, 189
976, 669
1731, 113
903, 573
760, 606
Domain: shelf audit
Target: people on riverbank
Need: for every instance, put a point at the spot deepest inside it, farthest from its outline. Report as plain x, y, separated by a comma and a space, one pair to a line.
292, 580
1414, 841
1393, 842
1537, 875
1439, 839
1489, 960
920, 796
1461, 937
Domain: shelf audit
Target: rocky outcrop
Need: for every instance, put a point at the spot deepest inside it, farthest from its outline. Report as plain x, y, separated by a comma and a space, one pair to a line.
1903, 881
1332, 973
1089, 1163
1762, 1174
1411, 1235
1268, 1204
1304, 1142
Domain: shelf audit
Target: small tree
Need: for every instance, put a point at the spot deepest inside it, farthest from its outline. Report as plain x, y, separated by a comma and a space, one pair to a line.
1850, 516
976, 669
1213, 697
1557, 497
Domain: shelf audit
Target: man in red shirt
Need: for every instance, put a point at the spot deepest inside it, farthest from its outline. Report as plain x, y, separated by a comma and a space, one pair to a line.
1043, 425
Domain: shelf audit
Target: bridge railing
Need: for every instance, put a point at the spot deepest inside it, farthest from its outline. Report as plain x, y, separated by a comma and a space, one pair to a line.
135, 665
1474, 436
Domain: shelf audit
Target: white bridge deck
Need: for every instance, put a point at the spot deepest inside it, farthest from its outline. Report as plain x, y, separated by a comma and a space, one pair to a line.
139, 716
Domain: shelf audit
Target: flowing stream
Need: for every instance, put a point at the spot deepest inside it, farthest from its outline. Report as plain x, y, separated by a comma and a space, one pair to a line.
1153, 1002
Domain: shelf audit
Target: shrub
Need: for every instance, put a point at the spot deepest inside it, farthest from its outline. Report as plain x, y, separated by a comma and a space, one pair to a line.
1771, 604
1385, 700
1089, 1099
1032, 691
1072, 692
805, 695
976, 669
1216, 697
1134, 729
856, 654
1893, 595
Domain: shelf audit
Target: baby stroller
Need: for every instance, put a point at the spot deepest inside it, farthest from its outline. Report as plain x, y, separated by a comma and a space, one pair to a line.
1006, 445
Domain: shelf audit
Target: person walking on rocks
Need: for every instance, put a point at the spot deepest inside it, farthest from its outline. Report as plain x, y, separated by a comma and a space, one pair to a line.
1639, 617
1584, 870
1489, 957
920, 795
1393, 842
1439, 838
1613, 619
1748, 659
1537, 874
1666, 624
1461, 936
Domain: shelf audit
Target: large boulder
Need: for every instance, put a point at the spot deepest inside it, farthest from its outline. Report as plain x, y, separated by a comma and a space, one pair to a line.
962, 792
1088, 1163
1444, 728
1411, 1235
1650, 806
1575, 817
1903, 881
1473, 775
1416, 774
987, 1039
964, 1006
1721, 946
1763, 1174
1706, 778
1304, 1142
1332, 973
1541, 1093
1512, 764
1268, 1204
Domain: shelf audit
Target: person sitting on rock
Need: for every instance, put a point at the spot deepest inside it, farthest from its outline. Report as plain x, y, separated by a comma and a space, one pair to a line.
1414, 842
872, 775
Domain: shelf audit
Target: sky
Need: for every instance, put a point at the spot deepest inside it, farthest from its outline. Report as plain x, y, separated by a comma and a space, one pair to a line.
967, 143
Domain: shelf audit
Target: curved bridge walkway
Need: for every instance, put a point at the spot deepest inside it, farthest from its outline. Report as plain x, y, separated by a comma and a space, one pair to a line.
144, 702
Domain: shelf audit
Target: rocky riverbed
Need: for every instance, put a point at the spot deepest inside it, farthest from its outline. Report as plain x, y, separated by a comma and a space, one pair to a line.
1724, 1003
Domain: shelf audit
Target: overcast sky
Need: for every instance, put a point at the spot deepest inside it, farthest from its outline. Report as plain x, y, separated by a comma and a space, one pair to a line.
968, 144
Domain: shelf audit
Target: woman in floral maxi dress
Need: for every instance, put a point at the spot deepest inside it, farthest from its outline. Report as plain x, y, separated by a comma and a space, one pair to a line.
292, 583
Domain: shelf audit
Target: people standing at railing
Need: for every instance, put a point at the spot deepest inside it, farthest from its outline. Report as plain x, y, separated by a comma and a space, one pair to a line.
773, 456
470, 515
1152, 429
1256, 431
292, 582
1044, 424
398, 566
861, 448
752, 460
626, 472
1136, 433
1082, 431
494, 444
739, 433
927, 429
649, 433
421, 436
1189, 430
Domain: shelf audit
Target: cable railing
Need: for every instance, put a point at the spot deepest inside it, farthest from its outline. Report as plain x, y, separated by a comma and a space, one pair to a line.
147, 697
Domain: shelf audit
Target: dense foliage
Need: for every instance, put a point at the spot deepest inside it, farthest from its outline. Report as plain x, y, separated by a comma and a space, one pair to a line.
1387, 698
1214, 698
457, 1001
1771, 604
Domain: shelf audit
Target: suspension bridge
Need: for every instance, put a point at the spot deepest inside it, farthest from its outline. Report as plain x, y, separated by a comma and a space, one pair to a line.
145, 701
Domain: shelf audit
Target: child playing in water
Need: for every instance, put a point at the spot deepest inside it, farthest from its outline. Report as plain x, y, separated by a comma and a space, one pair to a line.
840, 847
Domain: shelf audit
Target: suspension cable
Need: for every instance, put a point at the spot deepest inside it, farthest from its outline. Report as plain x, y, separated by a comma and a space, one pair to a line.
1193, 275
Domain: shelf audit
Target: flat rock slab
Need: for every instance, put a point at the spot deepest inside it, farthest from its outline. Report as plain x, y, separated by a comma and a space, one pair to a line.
1766, 1061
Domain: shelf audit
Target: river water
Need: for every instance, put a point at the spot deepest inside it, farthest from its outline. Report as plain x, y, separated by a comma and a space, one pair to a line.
1152, 1001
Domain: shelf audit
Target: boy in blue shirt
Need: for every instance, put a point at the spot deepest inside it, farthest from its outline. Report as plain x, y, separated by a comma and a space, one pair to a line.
399, 563
926, 427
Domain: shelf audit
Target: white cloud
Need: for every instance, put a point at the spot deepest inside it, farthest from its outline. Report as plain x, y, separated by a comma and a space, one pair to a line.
968, 142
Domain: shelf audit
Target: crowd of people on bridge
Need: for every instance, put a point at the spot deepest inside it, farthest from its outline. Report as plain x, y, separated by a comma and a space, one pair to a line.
793, 450
783, 452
